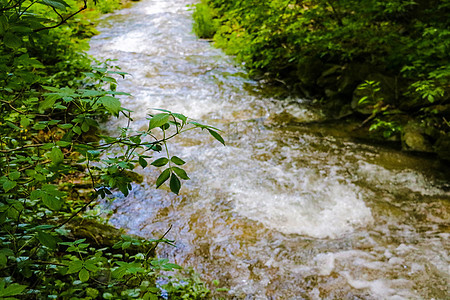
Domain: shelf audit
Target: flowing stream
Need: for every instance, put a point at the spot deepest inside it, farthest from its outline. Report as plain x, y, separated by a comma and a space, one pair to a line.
290, 209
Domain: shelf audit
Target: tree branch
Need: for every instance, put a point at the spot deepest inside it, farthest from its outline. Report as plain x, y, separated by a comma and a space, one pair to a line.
21, 148
64, 20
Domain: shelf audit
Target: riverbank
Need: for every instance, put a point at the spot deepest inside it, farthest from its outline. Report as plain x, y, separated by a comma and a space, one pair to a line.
55, 164
289, 208
385, 63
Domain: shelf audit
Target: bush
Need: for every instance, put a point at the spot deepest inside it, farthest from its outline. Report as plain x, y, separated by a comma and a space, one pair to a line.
319, 45
205, 23
52, 99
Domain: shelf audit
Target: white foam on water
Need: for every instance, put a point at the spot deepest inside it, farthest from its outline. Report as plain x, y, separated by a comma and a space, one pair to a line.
289, 199
159, 7
325, 263
129, 42
339, 212
409, 179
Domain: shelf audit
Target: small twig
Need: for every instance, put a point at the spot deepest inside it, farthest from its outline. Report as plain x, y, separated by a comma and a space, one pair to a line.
9, 7
336, 14
21, 148
25, 10
76, 213
49, 263
64, 20
57, 12
88, 203
19, 111
157, 243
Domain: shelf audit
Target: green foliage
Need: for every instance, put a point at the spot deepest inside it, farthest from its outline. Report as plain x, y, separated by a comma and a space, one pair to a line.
188, 286
319, 45
373, 87
205, 21
52, 99
106, 6
387, 128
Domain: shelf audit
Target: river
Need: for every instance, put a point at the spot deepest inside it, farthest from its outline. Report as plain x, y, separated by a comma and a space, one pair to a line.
289, 209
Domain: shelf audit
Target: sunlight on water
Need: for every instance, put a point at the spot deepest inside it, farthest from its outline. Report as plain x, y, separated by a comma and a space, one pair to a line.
284, 211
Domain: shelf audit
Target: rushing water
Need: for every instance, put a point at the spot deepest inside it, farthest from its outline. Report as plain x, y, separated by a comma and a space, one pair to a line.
286, 210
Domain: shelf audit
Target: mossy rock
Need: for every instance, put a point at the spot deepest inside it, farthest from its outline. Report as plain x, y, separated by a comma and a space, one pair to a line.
100, 235
415, 139
309, 71
352, 74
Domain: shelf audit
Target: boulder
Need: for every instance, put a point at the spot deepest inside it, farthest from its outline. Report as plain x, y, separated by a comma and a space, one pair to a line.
415, 139
308, 72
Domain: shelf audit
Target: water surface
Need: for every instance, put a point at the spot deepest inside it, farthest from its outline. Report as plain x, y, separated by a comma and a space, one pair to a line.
287, 210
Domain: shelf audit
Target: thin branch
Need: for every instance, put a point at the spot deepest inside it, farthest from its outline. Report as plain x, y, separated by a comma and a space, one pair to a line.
336, 14
21, 148
25, 10
64, 20
57, 12
48, 263
88, 203
19, 111
157, 243
10, 7
77, 212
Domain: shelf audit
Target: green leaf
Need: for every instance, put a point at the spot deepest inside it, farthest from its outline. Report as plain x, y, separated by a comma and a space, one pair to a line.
126, 245
181, 173
163, 177
24, 121
119, 272
91, 266
112, 104
181, 117
59, 4
75, 266
77, 129
39, 126
4, 24
91, 93
92, 293
12, 290
84, 275
4, 253
9, 185
85, 127
171, 266
216, 136
49, 101
47, 239
142, 162
65, 126
175, 184
63, 143
150, 296
56, 155
160, 162
178, 161
158, 120
12, 40
14, 175
3, 260
51, 201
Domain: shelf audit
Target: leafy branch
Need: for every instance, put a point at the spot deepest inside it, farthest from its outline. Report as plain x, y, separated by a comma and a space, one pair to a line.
63, 19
